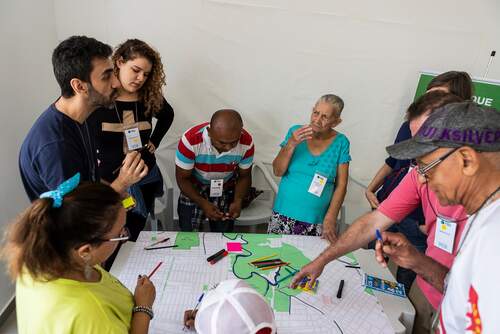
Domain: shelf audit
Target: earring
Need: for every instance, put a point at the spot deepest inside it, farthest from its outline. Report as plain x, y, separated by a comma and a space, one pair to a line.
87, 270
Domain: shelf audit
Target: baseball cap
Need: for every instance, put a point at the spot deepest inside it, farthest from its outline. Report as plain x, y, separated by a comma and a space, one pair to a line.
453, 125
234, 307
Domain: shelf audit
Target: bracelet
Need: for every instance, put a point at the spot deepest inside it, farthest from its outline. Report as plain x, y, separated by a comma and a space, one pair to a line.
144, 309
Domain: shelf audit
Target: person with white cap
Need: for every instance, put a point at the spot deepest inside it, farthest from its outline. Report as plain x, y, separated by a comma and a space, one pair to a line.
232, 307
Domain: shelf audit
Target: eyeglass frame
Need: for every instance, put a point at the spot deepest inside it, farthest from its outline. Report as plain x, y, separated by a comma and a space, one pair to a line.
124, 236
422, 171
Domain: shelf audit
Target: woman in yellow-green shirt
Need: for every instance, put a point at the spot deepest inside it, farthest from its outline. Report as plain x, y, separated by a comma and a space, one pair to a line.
53, 252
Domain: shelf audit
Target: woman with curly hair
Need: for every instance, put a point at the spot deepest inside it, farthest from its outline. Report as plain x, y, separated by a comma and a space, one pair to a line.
128, 125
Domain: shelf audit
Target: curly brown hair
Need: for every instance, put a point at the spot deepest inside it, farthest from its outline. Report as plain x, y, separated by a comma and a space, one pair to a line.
150, 92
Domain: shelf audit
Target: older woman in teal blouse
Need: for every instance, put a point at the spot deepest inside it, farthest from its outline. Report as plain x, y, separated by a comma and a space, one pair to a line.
314, 165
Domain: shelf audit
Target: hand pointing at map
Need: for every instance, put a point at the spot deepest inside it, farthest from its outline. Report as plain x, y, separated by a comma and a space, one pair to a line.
313, 270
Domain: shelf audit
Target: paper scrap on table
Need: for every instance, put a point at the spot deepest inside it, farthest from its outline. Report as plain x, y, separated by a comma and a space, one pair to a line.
234, 247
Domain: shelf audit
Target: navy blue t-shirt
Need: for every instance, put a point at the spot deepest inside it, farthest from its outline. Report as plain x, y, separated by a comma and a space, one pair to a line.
399, 170
404, 133
56, 148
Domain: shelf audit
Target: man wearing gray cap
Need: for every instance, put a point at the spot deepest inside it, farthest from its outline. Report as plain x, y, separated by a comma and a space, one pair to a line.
458, 155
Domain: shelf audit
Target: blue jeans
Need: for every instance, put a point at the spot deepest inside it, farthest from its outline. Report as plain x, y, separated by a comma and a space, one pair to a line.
191, 215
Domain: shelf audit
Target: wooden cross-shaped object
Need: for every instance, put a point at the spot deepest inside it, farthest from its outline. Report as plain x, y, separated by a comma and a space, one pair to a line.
128, 120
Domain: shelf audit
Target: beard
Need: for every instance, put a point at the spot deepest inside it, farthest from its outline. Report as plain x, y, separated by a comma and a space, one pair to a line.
97, 100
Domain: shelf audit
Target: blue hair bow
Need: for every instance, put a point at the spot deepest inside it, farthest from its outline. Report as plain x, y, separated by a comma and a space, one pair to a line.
63, 189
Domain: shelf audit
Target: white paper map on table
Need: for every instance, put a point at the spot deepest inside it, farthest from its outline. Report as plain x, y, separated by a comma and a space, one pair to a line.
185, 275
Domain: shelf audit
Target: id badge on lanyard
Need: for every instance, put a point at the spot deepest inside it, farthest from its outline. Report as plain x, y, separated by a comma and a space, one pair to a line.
318, 184
133, 137
445, 234
216, 187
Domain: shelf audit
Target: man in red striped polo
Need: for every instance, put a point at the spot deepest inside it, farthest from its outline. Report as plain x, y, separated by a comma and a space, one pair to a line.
213, 171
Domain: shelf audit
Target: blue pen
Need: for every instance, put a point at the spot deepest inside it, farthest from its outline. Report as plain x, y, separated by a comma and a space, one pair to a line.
378, 235
195, 308
199, 301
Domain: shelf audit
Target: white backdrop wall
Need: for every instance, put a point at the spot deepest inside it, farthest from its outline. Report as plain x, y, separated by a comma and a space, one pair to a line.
271, 59
27, 87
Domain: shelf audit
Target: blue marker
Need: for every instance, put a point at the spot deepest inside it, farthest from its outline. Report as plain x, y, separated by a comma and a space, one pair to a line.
378, 235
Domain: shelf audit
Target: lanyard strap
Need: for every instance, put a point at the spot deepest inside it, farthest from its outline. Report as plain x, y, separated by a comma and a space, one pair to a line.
88, 151
136, 119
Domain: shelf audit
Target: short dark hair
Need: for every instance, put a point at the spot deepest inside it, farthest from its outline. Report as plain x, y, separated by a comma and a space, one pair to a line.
430, 101
41, 240
72, 58
458, 83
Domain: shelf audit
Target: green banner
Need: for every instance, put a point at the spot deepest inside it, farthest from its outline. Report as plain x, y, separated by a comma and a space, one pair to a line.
486, 92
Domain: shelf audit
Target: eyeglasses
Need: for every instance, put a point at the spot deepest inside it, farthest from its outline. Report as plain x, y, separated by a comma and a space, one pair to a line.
423, 170
124, 236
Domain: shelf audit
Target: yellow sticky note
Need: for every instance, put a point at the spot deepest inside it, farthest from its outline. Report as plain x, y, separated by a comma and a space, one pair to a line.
128, 202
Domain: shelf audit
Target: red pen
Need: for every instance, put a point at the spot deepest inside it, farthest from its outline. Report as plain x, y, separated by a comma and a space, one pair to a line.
216, 259
155, 269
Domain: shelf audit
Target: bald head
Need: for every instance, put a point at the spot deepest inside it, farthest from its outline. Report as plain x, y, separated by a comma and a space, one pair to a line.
225, 129
227, 120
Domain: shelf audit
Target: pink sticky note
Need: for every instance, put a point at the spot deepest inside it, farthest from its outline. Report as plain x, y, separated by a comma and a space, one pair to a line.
233, 247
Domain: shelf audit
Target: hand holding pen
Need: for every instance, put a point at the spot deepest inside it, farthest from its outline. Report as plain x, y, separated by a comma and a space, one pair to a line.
398, 248
190, 315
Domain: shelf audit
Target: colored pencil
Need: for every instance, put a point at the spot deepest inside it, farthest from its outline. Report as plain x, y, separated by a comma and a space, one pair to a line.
158, 242
155, 269
264, 257
272, 267
265, 261
151, 248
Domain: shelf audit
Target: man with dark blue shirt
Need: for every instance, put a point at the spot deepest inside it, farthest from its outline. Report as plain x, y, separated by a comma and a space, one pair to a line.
61, 143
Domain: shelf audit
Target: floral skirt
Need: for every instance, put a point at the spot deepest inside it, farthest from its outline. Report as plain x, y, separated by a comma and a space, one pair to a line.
281, 224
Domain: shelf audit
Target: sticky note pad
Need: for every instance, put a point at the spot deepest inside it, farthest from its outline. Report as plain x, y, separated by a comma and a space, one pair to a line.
234, 247
306, 287
128, 202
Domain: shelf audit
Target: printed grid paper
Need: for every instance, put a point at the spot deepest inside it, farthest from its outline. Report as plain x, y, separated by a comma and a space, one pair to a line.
185, 273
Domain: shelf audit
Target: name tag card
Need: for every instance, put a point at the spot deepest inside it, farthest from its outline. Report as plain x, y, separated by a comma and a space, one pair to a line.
318, 184
216, 187
445, 234
133, 138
